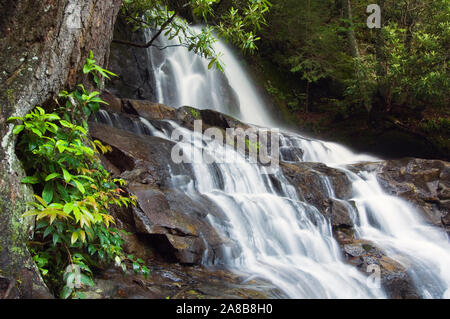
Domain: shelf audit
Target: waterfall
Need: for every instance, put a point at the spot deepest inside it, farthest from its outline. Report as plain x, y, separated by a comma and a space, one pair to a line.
183, 78
277, 235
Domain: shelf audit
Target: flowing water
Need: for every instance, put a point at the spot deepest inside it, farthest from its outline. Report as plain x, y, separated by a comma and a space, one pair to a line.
278, 236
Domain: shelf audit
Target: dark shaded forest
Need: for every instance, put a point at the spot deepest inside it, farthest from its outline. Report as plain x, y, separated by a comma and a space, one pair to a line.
382, 90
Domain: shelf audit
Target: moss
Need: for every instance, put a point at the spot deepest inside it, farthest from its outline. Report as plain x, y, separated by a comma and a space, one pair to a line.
251, 146
195, 113
195, 294
10, 96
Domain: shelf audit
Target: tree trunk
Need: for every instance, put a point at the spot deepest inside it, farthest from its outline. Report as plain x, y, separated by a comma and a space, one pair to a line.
354, 48
43, 45
384, 86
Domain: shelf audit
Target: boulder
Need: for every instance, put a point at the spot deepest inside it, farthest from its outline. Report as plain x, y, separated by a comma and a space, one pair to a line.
175, 281
174, 224
149, 110
393, 270
310, 180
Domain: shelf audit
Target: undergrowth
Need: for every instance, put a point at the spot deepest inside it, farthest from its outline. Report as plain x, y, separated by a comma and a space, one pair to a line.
74, 233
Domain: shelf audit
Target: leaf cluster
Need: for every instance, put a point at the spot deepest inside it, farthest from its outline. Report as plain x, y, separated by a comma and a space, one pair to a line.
73, 191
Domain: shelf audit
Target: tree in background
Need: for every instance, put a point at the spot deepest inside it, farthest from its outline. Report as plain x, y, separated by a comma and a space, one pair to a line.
402, 64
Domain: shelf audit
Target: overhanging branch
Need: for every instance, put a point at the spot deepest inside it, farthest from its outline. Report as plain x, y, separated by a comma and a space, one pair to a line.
150, 43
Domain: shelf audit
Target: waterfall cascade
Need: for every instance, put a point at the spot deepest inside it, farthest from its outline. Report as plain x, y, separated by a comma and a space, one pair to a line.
278, 236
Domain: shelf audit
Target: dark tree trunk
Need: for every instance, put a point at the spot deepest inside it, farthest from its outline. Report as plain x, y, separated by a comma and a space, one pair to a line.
43, 45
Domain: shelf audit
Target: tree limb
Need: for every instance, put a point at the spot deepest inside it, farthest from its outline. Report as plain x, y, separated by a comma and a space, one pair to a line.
150, 43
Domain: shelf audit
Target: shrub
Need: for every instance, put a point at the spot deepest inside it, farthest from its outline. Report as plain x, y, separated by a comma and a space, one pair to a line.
73, 192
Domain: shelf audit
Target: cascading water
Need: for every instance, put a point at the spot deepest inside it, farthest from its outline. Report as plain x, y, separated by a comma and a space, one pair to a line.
183, 78
278, 236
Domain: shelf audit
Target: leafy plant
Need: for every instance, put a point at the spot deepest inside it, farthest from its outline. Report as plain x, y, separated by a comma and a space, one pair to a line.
235, 21
73, 192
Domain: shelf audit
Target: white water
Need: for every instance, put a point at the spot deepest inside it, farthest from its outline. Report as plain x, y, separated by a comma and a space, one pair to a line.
183, 78
281, 238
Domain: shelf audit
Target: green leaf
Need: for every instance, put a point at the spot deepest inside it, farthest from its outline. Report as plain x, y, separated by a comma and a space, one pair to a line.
80, 187
68, 208
80, 295
30, 180
48, 231
66, 292
41, 110
36, 131
61, 145
18, 129
55, 239
91, 249
41, 224
51, 176
14, 118
86, 69
67, 175
62, 191
74, 238
145, 271
47, 193
53, 116
86, 280
66, 124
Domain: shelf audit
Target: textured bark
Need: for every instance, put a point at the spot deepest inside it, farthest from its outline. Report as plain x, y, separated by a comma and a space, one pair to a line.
43, 45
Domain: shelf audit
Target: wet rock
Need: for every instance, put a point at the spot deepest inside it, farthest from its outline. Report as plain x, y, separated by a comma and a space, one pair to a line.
339, 213
146, 158
423, 183
399, 286
179, 229
393, 270
149, 110
132, 64
310, 180
114, 103
354, 250
176, 225
175, 281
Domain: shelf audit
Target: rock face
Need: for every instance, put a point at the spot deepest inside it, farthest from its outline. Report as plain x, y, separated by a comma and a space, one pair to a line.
174, 281
423, 183
311, 181
43, 45
132, 64
176, 226
175, 222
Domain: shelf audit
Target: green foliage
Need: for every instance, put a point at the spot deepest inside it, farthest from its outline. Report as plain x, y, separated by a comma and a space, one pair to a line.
293, 101
97, 72
403, 65
407, 60
235, 21
439, 126
73, 191
252, 146
195, 113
